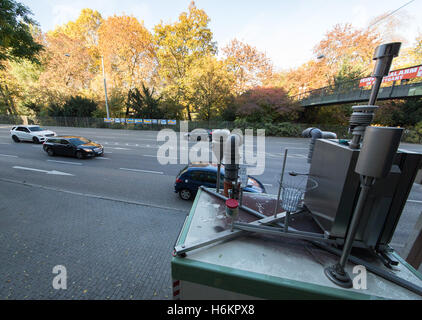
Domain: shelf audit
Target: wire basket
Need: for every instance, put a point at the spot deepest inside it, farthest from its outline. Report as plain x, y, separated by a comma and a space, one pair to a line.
293, 191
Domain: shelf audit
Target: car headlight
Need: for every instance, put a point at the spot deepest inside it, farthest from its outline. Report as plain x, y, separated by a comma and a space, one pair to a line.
87, 150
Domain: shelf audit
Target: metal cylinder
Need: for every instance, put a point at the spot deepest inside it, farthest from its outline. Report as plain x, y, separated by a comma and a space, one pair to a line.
231, 163
379, 147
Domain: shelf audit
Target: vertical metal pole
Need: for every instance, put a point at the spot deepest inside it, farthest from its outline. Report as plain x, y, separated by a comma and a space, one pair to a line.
220, 156
286, 221
105, 87
281, 184
365, 188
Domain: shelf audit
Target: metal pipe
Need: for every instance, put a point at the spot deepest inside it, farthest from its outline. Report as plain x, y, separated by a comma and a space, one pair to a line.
281, 183
366, 185
375, 90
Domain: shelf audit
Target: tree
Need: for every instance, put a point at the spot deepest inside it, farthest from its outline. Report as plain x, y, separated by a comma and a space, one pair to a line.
250, 66
128, 52
74, 107
179, 45
209, 84
68, 67
85, 28
347, 45
263, 104
144, 103
16, 41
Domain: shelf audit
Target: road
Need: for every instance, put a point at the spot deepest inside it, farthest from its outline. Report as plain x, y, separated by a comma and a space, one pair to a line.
130, 179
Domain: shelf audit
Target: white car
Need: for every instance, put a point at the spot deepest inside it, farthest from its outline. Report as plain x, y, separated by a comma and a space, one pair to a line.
32, 133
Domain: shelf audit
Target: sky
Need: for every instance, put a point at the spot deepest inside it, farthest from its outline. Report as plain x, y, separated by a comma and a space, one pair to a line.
287, 31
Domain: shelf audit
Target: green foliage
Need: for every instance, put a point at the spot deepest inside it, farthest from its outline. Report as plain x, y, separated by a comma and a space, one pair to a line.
16, 41
332, 114
144, 104
399, 113
414, 135
74, 107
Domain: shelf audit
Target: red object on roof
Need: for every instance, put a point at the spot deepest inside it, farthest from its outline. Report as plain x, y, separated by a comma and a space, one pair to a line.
232, 203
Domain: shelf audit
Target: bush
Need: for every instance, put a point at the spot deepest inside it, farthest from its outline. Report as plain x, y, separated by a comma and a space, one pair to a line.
413, 135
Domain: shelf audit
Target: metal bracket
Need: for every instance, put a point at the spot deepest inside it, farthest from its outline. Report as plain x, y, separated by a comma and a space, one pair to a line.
180, 250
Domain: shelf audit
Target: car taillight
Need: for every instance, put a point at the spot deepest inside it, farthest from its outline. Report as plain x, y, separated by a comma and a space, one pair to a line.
178, 180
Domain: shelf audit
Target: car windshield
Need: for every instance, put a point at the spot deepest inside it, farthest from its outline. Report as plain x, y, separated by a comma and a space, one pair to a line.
35, 129
79, 141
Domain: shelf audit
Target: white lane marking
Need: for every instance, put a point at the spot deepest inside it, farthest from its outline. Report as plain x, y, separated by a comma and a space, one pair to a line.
414, 201
144, 171
267, 184
4, 143
101, 158
66, 162
164, 158
8, 155
119, 148
54, 172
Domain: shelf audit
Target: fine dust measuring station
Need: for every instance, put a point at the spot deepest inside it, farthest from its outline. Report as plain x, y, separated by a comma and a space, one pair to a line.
306, 241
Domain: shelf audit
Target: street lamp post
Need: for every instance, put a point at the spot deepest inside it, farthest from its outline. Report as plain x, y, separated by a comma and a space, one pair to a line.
105, 84
105, 87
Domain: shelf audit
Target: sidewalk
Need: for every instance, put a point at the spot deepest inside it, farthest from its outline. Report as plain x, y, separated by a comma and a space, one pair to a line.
111, 250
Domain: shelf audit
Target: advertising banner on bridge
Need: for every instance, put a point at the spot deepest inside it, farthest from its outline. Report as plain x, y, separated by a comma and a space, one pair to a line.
108, 120
402, 74
171, 122
138, 120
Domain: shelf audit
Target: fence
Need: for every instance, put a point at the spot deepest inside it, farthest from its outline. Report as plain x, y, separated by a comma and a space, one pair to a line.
284, 129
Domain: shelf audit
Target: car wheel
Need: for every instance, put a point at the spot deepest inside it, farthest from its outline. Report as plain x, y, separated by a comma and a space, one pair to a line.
35, 140
185, 194
15, 138
50, 152
79, 155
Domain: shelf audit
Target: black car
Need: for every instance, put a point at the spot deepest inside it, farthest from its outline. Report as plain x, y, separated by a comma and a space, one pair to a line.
73, 146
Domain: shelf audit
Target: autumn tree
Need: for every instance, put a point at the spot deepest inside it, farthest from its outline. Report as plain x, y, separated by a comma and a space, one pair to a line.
345, 46
68, 67
250, 66
128, 52
179, 45
209, 86
84, 28
263, 104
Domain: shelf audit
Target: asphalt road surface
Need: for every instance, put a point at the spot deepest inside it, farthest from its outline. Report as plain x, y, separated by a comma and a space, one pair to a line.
129, 176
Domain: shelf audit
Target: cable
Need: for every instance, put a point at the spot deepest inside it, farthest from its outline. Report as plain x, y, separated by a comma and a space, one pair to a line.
391, 13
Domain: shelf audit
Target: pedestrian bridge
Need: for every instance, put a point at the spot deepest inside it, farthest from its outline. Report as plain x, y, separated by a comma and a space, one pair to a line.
351, 93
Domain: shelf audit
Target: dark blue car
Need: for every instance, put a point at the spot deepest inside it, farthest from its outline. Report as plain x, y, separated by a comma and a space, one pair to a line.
193, 176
